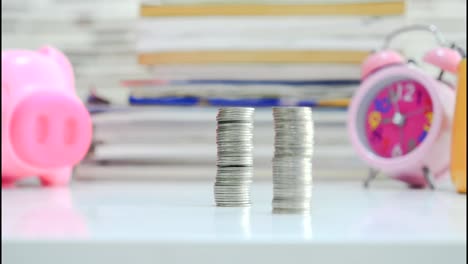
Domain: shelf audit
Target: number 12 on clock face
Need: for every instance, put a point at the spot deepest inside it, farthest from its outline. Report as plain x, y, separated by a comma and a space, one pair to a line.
402, 112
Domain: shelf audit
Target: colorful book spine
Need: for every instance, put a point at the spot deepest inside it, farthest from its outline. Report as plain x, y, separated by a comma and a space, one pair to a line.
363, 9
228, 102
155, 83
258, 56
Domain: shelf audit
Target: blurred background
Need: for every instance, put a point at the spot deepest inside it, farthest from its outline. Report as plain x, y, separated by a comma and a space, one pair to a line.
103, 38
172, 54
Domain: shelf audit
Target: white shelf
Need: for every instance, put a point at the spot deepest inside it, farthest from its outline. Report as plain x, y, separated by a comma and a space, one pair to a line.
157, 222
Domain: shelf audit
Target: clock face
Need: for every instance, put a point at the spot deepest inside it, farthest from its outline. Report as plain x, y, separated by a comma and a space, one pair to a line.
398, 118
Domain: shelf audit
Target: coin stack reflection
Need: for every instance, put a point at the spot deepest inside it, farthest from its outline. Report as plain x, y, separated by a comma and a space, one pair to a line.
234, 139
292, 161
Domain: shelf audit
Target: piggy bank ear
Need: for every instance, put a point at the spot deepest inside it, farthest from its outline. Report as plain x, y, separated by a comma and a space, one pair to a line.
63, 62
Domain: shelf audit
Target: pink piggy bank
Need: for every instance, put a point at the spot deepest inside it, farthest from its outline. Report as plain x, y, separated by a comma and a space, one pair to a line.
46, 129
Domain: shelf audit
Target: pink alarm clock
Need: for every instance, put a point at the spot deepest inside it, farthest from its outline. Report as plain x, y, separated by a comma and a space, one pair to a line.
399, 119
46, 129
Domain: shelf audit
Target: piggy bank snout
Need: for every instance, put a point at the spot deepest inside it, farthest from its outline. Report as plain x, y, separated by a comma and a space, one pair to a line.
50, 130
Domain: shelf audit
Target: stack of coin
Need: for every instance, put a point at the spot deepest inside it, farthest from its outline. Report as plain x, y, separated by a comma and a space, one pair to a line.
292, 161
234, 136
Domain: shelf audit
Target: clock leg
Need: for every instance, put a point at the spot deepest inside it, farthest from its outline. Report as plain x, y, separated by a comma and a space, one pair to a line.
428, 176
372, 175
441, 76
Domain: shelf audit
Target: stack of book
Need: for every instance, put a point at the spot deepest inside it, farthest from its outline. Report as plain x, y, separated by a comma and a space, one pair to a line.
235, 92
157, 143
102, 38
97, 36
257, 52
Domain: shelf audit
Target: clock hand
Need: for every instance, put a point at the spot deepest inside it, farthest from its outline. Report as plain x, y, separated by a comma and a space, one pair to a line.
394, 100
386, 120
416, 112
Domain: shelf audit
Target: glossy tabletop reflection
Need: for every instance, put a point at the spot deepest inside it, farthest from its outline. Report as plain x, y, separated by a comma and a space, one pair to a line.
180, 212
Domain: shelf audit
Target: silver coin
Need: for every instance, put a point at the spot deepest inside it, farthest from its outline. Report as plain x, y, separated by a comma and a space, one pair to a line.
241, 173
231, 183
292, 162
232, 188
232, 180
233, 204
235, 151
236, 173
243, 162
232, 193
232, 198
234, 140
228, 200
239, 195
231, 163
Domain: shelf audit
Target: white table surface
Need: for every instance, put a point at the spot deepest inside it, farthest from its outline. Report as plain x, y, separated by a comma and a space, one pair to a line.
154, 222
